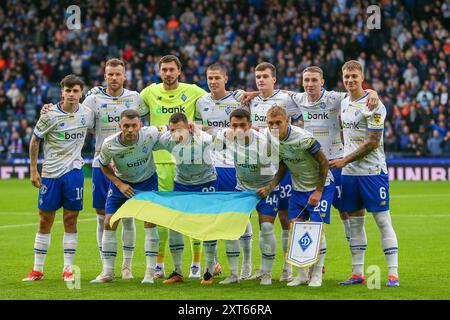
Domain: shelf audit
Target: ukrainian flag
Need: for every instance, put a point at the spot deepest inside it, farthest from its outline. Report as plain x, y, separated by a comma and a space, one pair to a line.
199, 215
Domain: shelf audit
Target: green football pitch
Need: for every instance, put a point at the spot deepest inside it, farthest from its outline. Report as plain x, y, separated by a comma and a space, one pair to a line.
420, 214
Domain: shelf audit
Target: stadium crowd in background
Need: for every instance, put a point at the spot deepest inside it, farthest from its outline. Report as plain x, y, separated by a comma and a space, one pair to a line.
407, 61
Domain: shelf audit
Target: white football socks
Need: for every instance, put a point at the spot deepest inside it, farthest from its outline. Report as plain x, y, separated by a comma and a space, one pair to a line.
128, 240
323, 251
388, 240
232, 248
346, 224
284, 244
41, 245
176, 245
267, 245
100, 228
70, 243
246, 244
210, 248
358, 244
109, 249
151, 244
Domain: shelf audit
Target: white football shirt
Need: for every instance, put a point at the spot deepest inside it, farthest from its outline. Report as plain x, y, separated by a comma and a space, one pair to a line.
193, 158
321, 118
253, 162
107, 111
357, 121
63, 134
259, 107
133, 163
216, 114
295, 151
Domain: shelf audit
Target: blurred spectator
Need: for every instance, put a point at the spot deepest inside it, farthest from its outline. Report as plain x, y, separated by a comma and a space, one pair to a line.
13, 95
421, 147
446, 143
434, 144
3, 149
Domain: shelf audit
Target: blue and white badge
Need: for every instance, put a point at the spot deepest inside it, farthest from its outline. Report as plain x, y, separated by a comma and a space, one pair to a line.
305, 240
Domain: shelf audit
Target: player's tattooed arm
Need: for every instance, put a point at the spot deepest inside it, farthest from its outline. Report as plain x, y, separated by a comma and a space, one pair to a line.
321, 158
266, 190
34, 152
315, 197
372, 142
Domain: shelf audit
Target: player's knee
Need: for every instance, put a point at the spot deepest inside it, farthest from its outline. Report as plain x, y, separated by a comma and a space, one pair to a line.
284, 222
149, 225
45, 224
108, 225
128, 224
100, 212
383, 219
343, 215
266, 228
70, 220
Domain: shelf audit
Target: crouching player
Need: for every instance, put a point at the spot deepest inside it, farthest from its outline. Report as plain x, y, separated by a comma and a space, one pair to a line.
63, 130
194, 173
130, 150
253, 170
313, 186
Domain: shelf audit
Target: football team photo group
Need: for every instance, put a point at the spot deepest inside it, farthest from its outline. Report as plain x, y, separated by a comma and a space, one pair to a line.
224, 150
329, 147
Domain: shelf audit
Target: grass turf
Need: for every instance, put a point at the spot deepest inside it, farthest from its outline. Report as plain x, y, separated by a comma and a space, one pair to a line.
420, 214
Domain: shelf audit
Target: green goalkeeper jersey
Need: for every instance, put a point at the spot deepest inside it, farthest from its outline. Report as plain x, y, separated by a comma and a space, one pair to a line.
164, 103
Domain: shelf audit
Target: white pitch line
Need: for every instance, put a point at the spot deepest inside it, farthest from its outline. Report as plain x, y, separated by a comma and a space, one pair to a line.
433, 195
11, 226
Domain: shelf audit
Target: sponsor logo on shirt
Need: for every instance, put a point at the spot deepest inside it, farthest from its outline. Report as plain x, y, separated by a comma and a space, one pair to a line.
257, 118
137, 163
108, 119
350, 125
316, 116
71, 136
217, 124
164, 110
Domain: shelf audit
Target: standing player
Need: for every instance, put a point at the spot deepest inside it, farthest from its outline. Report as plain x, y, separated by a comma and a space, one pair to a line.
163, 100
365, 182
194, 173
311, 180
131, 152
265, 74
319, 111
253, 170
107, 105
214, 111
63, 130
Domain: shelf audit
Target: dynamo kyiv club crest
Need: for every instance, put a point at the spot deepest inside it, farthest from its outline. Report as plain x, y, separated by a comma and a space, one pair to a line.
305, 241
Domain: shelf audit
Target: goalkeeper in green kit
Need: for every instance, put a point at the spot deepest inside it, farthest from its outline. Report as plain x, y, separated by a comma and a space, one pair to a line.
163, 100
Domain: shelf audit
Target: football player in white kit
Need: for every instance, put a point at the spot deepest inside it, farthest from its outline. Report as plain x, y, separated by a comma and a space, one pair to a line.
63, 129
195, 172
265, 75
214, 110
254, 169
312, 182
365, 180
131, 152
